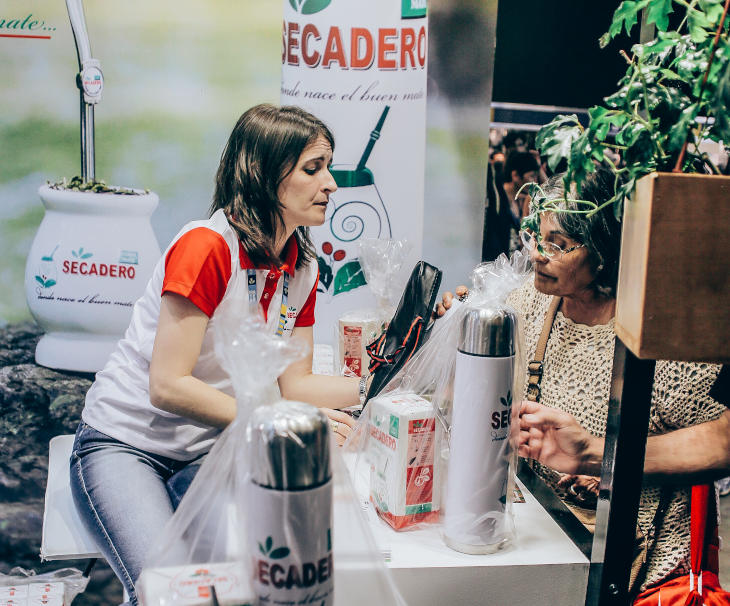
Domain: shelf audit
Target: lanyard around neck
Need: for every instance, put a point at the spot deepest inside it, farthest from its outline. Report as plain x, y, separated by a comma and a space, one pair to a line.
253, 297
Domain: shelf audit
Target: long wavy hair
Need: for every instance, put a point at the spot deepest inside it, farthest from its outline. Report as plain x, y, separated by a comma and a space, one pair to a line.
261, 152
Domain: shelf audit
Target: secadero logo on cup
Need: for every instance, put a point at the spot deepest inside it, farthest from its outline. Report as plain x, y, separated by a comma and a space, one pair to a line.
295, 575
90, 268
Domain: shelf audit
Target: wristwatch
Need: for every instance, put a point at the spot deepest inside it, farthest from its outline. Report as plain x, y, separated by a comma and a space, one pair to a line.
363, 389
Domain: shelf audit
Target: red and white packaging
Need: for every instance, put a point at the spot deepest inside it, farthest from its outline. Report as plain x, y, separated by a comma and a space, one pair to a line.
357, 329
403, 447
13, 592
191, 585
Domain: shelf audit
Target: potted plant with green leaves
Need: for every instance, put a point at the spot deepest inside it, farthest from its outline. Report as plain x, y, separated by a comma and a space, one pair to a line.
673, 288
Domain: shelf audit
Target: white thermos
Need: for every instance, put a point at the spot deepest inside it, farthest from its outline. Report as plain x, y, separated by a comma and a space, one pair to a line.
474, 519
290, 504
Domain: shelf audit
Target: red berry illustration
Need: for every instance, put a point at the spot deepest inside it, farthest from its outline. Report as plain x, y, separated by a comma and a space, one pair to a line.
327, 248
339, 255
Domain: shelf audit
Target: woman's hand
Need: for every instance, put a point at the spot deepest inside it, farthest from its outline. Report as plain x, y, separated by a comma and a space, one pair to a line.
583, 489
341, 424
554, 438
447, 298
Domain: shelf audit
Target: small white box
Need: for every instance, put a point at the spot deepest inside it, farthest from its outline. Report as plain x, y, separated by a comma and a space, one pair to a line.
405, 470
40, 589
13, 591
45, 600
190, 585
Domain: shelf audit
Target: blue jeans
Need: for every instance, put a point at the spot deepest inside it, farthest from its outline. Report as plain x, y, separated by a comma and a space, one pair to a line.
125, 496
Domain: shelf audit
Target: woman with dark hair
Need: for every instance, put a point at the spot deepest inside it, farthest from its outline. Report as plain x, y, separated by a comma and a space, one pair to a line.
575, 267
162, 399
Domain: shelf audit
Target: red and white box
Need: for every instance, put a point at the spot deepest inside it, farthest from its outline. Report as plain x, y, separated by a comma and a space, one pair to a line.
404, 449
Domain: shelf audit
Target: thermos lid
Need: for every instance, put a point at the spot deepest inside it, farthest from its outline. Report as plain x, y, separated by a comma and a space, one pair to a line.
288, 446
488, 331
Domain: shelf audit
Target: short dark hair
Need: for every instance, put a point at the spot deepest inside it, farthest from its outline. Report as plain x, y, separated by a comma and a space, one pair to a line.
522, 162
600, 232
262, 150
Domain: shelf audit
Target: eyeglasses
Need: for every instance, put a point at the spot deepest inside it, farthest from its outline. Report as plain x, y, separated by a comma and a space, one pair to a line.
548, 249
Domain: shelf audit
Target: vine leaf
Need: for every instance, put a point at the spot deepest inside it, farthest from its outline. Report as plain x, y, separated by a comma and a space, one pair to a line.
556, 139
625, 17
659, 13
349, 277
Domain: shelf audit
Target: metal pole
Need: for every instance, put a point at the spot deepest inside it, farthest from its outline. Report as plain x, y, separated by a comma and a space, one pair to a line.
88, 160
621, 478
90, 82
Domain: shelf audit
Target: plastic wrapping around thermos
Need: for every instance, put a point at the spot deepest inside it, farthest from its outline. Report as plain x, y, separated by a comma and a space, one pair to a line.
475, 519
290, 505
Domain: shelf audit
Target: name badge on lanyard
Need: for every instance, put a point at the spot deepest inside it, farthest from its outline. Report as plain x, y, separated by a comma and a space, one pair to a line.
253, 298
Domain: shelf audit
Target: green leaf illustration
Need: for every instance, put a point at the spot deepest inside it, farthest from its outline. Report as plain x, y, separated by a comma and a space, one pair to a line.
349, 277
269, 543
86, 255
40, 281
49, 283
309, 7
73, 252
279, 553
325, 273
261, 549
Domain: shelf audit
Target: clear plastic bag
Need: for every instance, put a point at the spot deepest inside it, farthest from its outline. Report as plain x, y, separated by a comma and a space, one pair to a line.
436, 439
271, 517
381, 261
56, 588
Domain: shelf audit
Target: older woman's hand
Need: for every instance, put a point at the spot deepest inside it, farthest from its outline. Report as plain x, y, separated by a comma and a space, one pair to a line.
583, 489
447, 298
554, 438
341, 424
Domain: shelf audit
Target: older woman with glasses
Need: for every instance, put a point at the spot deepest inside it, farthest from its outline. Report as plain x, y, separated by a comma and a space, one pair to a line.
576, 268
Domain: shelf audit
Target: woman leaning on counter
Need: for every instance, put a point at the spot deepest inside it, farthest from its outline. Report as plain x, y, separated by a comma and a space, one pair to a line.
580, 265
163, 398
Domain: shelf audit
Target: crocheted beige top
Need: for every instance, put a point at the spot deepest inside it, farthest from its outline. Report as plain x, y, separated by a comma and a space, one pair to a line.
577, 377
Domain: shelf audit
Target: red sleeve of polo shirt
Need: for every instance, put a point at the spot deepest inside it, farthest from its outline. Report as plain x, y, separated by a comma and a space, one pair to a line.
198, 267
305, 317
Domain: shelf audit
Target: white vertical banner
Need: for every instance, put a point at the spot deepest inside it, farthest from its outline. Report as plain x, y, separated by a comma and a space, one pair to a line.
361, 68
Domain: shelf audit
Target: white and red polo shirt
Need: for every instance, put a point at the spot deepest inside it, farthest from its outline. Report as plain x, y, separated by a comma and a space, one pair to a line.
206, 264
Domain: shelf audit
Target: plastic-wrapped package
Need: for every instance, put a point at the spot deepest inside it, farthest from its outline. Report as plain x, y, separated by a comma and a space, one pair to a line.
381, 261
56, 588
270, 517
462, 382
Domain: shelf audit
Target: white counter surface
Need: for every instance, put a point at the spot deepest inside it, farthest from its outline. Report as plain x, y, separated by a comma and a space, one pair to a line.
541, 566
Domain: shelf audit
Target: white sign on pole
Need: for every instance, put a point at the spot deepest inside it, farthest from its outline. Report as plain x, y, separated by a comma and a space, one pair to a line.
361, 68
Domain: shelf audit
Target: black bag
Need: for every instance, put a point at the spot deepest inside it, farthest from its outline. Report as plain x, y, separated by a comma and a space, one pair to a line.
408, 329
